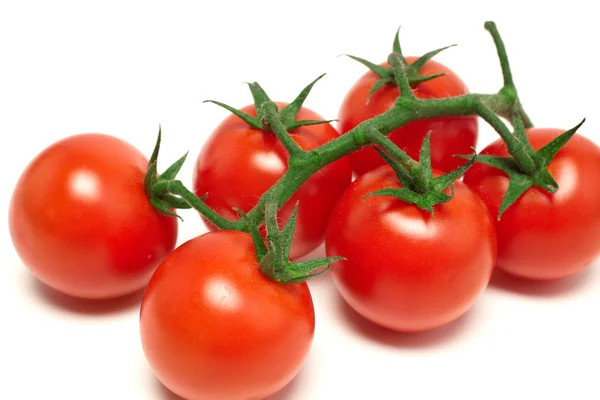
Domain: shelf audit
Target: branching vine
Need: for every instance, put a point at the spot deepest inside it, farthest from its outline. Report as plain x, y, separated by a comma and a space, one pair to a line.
525, 168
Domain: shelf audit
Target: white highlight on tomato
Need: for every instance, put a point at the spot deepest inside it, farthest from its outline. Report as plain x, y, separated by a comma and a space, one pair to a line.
415, 225
270, 162
222, 294
85, 184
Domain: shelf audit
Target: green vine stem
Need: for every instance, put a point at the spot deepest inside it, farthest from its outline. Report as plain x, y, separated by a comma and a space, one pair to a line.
405, 111
509, 89
303, 164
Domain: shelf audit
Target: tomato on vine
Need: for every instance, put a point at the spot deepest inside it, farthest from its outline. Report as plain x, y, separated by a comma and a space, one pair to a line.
418, 253
213, 326
546, 229
81, 220
243, 158
375, 92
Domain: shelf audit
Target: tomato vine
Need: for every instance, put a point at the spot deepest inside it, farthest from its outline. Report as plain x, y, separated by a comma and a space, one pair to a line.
525, 167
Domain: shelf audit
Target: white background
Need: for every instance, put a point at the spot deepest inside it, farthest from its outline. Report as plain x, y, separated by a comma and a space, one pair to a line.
123, 67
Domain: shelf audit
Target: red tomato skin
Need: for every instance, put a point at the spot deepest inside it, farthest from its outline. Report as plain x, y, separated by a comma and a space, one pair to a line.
544, 236
450, 136
81, 222
404, 269
213, 327
238, 163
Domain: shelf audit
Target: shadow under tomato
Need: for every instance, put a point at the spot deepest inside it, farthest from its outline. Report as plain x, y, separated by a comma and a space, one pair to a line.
164, 393
56, 299
554, 288
286, 393
435, 337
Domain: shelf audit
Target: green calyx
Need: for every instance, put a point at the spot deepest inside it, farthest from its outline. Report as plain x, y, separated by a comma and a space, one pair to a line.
521, 179
163, 201
419, 187
412, 71
262, 102
274, 261
166, 193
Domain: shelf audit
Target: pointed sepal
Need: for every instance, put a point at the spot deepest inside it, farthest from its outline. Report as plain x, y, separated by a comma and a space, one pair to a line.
171, 172
172, 202
402, 174
417, 79
307, 122
259, 96
276, 264
396, 45
425, 155
425, 201
379, 70
421, 61
444, 181
546, 154
259, 245
151, 173
288, 113
247, 118
378, 85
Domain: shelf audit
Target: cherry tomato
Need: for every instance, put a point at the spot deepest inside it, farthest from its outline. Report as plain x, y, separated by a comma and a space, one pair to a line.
213, 327
239, 163
450, 136
81, 222
405, 269
543, 235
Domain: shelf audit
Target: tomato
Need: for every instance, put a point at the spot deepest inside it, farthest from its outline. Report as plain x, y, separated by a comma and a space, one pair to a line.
450, 135
213, 327
239, 163
543, 235
81, 222
405, 269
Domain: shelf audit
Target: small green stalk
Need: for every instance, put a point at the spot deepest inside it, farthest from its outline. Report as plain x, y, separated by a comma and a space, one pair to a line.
274, 260
509, 89
400, 68
272, 122
515, 145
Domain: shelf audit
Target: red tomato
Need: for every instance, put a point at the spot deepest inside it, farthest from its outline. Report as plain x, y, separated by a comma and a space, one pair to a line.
238, 164
81, 222
543, 235
404, 269
213, 327
450, 136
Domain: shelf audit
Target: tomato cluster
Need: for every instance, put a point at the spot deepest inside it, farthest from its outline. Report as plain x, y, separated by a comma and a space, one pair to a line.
88, 219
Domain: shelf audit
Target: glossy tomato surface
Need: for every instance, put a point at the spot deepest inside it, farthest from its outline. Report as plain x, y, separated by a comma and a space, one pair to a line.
213, 327
81, 222
238, 164
404, 269
449, 136
543, 235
